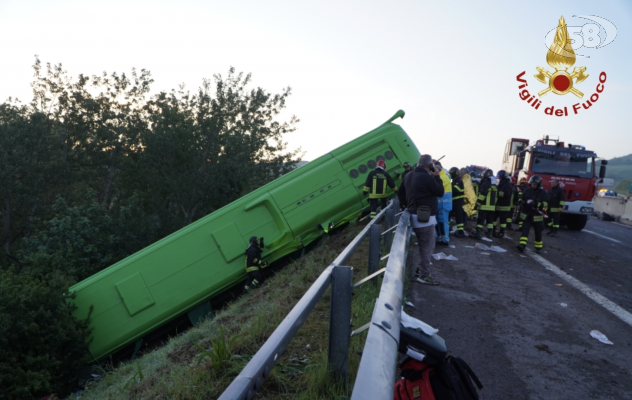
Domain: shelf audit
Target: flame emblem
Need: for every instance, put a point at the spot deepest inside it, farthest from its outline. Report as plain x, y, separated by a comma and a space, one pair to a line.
561, 57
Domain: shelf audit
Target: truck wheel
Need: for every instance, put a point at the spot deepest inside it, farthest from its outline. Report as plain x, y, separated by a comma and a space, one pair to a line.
576, 222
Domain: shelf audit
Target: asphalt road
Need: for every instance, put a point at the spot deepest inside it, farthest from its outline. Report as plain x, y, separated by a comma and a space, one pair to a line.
523, 328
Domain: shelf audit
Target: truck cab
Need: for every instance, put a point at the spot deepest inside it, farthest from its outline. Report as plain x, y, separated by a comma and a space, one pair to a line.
571, 164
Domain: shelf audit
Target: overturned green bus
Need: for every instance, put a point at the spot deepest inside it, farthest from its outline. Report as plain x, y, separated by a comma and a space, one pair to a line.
174, 275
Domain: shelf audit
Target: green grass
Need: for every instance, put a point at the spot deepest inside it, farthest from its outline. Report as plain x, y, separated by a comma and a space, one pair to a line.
201, 362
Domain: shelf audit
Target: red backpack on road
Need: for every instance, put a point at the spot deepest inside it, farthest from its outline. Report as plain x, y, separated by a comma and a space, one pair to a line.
448, 380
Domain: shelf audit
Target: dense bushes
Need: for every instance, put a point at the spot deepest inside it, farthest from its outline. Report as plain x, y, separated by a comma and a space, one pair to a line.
95, 169
41, 345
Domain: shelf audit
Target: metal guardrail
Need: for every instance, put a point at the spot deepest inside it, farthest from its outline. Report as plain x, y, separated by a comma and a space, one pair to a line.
376, 373
340, 276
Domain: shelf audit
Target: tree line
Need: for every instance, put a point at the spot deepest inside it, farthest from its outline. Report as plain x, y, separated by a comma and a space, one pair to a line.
96, 168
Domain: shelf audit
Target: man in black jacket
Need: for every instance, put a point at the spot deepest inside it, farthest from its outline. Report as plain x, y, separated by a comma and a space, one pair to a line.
419, 192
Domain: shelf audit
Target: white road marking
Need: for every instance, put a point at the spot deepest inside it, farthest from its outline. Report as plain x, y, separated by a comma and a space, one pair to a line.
601, 236
624, 315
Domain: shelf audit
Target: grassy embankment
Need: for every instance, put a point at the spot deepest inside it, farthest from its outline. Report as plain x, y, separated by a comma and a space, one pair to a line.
201, 362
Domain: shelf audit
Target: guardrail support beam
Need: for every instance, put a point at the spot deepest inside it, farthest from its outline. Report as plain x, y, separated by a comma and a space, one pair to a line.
389, 221
340, 320
374, 250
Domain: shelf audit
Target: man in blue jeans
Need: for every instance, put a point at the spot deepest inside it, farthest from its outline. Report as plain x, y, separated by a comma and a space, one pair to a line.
444, 208
420, 189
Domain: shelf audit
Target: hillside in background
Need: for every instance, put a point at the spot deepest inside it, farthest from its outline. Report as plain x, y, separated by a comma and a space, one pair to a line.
620, 169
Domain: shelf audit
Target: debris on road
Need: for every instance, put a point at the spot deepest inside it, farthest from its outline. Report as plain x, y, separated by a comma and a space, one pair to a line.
452, 246
497, 249
414, 323
558, 284
486, 239
443, 256
523, 256
564, 305
415, 354
543, 347
600, 336
487, 254
408, 303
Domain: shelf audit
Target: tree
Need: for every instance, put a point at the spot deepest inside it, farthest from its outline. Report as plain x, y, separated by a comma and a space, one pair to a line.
208, 149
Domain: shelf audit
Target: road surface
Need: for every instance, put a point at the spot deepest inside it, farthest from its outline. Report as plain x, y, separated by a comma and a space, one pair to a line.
523, 322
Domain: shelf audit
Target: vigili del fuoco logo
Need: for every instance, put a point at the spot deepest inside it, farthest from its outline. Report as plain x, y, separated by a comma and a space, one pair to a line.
561, 57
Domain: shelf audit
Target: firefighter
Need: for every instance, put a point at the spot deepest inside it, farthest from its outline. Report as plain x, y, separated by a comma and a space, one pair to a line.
515, 195
458, 194
475, 184
533, 205
522, 186
375, 187
556, 203
254, 264
486, 205
504, 203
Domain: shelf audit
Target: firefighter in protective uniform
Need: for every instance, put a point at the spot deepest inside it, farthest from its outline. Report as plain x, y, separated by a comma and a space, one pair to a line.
486, 205
533, 205
458, 194
556, 203
522, 186
504, 203
254, 264
375, 187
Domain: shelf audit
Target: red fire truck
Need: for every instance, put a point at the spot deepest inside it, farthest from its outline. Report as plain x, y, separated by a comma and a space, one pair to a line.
571, 164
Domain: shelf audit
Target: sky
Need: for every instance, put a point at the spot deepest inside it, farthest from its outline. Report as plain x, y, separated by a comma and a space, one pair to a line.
450, 65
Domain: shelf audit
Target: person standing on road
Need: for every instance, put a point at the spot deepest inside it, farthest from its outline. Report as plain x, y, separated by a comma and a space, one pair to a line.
419, 191
504, 203
522, 186
486, 205
469, 201
556, 203
458, 194
375, 187
533, 205
407, 169
445, 206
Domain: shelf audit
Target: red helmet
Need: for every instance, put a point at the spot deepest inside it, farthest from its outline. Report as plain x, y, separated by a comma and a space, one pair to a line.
513, 180
381, 163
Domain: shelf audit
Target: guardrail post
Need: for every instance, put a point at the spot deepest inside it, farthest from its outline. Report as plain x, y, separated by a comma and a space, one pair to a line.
389, 221
374, 250
340, 320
